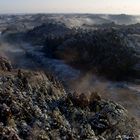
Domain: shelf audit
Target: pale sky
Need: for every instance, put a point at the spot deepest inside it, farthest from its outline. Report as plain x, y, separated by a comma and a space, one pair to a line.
70, 6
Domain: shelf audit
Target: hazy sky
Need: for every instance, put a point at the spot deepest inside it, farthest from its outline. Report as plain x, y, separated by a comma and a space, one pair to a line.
70, 6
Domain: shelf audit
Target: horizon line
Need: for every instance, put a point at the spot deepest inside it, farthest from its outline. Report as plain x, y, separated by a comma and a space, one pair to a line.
82, 13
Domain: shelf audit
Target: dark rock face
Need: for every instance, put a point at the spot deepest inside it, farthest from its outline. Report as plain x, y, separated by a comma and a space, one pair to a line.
5, 65
37, 108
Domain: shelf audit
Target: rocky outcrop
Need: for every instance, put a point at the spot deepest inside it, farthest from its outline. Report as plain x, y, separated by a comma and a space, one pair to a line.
5, 64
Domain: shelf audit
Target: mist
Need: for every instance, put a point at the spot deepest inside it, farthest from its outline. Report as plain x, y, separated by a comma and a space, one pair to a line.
26, 55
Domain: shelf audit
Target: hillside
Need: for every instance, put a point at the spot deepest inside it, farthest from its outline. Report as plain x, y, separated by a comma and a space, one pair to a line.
34, 107
70, 77
106, 50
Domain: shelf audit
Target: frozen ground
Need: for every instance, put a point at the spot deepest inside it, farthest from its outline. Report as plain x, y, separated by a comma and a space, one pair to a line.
29, 56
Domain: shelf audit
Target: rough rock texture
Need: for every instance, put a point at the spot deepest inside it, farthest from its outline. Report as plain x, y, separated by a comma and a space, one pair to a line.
33, 107
5, 64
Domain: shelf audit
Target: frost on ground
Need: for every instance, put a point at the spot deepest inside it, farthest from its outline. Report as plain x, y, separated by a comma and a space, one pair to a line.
34, 107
